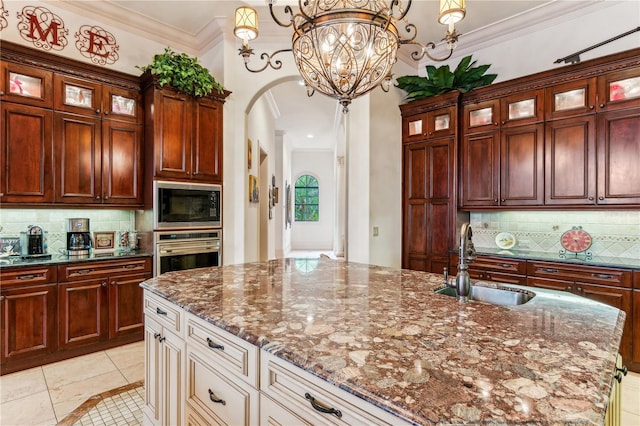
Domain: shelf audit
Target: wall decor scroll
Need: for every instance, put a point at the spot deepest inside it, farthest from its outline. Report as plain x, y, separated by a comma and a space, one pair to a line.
3, 16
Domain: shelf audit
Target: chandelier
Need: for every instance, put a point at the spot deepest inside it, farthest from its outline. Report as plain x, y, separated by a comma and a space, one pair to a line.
346, 48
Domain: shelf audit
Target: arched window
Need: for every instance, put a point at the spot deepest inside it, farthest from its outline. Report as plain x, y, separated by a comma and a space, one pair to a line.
306, 199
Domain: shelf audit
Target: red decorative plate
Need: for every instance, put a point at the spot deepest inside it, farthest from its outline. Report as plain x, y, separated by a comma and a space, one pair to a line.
576, 240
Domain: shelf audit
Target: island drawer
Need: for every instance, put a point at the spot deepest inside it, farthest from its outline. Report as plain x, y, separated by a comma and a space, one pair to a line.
164, 312
213, 392
27, 276
580, 273
238, 356
88, 270
293, 389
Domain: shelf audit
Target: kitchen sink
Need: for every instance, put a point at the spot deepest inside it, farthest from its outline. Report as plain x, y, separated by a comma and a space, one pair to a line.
504, 296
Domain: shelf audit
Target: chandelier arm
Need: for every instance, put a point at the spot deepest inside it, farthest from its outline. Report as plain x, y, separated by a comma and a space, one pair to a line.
301, 9
416, 55
276, 65
287, 9
406, 11
412, 32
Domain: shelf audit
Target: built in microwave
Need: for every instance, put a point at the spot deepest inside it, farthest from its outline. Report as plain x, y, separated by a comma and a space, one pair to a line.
180, 205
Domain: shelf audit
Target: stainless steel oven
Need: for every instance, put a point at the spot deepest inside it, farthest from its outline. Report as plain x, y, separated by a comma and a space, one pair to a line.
180, 250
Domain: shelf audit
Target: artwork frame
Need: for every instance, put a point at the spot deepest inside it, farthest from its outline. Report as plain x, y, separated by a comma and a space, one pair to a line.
249, 154
254, 190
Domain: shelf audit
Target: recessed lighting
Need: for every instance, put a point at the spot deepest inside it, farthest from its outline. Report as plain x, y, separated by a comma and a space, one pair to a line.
301, 82
310, 136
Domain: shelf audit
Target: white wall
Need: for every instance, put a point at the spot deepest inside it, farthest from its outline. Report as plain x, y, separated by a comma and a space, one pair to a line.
314, 235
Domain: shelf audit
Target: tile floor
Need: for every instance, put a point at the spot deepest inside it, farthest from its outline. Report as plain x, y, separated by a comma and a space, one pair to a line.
45, 395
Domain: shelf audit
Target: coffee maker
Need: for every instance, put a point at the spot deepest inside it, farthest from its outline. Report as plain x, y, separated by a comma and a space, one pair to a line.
78, 237
33, 243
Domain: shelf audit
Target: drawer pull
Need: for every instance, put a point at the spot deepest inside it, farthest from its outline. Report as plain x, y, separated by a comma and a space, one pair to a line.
26, 277
603, 276
322, 407
214, 345
505, 265
162, 339
84, 271
131, 266
160, 311
550, 270
156, 335
214, 398
624, 370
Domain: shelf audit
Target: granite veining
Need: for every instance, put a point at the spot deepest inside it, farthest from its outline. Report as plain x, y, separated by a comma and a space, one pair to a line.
383, 335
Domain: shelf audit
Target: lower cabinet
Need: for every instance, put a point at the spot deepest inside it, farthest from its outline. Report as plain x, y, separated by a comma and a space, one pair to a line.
607, 285
50, 313
635, 357
500, 269
198, 374
28, 313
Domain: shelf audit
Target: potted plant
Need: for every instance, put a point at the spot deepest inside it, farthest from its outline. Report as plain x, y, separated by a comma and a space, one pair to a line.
183, 73
441, 80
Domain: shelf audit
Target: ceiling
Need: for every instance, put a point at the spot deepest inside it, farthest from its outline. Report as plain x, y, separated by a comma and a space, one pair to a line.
193, 26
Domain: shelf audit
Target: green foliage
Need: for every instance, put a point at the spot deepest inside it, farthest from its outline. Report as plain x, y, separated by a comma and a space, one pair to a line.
182, 72
441, 80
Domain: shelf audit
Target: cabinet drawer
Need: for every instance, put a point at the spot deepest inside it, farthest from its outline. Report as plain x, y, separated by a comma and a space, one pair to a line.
231, 352
580, 273
27, 276
498, 277
215, 393
497, 264
292, 387
86, 270
165, 313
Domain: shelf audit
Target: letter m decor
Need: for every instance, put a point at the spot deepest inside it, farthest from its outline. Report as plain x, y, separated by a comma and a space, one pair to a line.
97, 44
42, 27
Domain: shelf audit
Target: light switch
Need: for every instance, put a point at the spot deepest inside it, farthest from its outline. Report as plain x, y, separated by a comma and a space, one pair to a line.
376, 231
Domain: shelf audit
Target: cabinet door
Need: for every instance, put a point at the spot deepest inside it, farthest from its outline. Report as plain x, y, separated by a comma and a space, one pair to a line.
122, 163
522, 166
122, 105
635, 321
430, 125
77, 96
78, 158
618, 90
570, 99
152, 371
429, 204
82, 313
126, 315
618, 298
619, 157
522, 108
570, 161
482, 116
28, 321
26, 154
26, 85
172, 134
207, 141
480, 169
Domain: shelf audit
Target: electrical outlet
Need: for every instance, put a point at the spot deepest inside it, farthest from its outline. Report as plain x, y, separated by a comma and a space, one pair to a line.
376, 231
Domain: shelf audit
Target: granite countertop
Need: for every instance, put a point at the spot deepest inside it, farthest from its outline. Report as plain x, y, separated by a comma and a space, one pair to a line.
384, 336
60, 259
580, 259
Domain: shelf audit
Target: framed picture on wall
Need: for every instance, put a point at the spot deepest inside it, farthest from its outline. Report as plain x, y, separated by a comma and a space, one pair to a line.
254, 191
249, 153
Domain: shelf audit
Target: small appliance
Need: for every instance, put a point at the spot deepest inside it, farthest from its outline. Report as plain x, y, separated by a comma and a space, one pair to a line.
78, 237
33, 243
179, 205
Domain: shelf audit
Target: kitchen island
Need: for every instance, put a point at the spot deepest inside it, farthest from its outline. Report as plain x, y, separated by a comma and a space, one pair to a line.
385, 339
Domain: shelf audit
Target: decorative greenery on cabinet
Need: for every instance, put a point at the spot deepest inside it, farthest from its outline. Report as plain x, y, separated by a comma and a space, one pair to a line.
182, 72
441, 80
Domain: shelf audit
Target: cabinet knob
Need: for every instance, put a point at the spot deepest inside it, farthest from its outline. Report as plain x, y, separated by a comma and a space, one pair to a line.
97, 197
602, 105
1, 93
98, 111
592, 106
503, 123
591, 198
495, 200
568, 288
600, 198
502, 200
495, 123
106, 113
188, 173
580, 290
114, 282
106, 198
104, 284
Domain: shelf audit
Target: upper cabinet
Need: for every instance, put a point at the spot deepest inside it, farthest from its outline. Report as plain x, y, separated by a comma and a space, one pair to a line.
569, 139
183, 134
72, 132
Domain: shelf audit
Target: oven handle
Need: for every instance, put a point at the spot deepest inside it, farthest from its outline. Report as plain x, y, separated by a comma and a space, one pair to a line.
170, 251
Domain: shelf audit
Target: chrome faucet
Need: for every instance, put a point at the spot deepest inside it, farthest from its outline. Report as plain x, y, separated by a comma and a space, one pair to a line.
467, 253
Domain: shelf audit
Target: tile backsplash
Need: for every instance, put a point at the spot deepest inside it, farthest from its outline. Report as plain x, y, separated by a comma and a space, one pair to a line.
54, 222
614, 233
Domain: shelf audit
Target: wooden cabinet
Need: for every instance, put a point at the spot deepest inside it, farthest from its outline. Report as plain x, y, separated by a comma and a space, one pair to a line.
500, 269
502, 152
26, 156
164, 362
100, 301
607, 285
68, 140
429, 179
27, 313
183, 134
635, 320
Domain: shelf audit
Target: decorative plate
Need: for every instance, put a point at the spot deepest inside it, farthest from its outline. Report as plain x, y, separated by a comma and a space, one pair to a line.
505, 240
576, 240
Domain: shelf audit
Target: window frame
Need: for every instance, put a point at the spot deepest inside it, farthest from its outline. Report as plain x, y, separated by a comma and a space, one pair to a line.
305, 211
